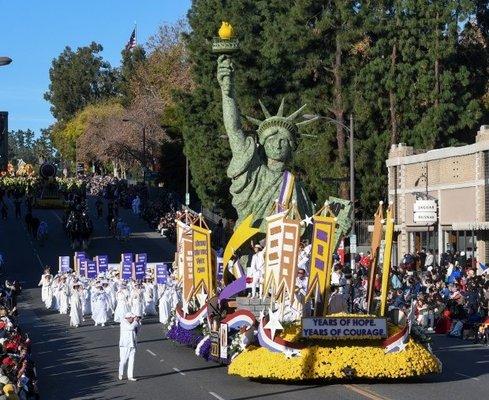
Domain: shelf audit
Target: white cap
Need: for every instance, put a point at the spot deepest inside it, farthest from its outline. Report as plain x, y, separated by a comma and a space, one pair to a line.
129, 315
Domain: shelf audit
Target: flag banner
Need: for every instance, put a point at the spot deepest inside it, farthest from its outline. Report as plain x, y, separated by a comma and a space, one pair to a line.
286, 190
161, 274
386, 268
376, 239
141, 257
187, 267
322, 248
102, 263
282, 248
79, 256
91, 269
139, 270
82, 267
202, 263
63, 264
132, 40
126, 270
126, 257
272, 252
180, 255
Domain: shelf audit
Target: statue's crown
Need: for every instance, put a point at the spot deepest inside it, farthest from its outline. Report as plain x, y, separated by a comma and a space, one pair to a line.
278, 120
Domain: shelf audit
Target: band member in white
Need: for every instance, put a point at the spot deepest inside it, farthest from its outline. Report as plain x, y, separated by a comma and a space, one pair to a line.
127, 345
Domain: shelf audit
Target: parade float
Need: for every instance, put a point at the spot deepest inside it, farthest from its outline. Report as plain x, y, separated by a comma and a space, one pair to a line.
289, 332
46, 189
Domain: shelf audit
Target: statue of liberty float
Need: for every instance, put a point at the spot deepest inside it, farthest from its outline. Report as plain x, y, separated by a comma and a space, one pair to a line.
289, 333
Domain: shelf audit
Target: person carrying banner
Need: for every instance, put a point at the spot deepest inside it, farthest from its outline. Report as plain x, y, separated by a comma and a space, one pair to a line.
127, 345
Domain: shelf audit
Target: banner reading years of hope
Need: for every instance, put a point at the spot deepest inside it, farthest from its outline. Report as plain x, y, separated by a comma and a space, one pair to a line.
344, 328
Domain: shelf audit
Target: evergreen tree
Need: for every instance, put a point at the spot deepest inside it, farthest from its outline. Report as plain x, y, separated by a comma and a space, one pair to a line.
79, 78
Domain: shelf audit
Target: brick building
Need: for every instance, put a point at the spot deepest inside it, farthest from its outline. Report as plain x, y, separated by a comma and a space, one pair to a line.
457, 179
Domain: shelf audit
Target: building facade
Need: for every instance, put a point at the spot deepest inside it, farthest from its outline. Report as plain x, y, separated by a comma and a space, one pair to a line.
455, 182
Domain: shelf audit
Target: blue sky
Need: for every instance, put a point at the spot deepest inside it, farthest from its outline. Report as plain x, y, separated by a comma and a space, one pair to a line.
36, 31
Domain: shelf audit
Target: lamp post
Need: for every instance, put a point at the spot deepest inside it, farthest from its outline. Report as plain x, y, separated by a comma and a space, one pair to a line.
143, 127
5, 61
352, 169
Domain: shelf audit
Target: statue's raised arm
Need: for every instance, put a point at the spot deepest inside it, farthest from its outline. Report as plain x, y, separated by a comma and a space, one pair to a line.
232, 116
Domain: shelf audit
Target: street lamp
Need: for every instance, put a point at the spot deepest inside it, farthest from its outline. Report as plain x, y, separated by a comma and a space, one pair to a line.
5, 61
352, 164
143, 126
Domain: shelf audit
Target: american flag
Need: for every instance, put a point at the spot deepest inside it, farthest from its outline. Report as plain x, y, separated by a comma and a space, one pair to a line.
132, 40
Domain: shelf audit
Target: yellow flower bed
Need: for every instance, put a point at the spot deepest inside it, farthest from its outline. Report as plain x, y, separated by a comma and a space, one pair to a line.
326, 360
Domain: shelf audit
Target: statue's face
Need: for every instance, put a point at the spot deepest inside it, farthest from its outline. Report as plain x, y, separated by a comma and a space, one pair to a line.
278, 145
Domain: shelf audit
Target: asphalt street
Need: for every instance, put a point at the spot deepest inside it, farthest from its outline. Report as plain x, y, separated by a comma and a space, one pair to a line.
82, 363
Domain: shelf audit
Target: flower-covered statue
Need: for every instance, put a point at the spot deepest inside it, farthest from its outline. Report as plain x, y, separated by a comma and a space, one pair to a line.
258, 165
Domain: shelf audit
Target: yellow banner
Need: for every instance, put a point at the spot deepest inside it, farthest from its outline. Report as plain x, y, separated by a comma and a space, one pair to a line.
323, 239
376, 239
386, 268
202, 257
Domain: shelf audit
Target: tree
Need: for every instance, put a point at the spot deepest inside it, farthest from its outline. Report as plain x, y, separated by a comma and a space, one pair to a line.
77, 79
131, 60
20, 145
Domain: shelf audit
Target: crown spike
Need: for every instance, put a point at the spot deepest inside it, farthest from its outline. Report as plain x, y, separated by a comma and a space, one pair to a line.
255, 121
264, 109
280, 112
292, 116
307, 122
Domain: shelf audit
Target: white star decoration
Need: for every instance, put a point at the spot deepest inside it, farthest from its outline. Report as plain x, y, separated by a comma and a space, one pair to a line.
273, 322
289, 353
307, 221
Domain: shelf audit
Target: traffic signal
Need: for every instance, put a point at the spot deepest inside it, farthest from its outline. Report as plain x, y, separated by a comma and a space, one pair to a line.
3, 140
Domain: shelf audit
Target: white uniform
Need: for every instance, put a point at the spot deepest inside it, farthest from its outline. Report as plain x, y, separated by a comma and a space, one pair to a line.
44, 282
122, 304
100, 308
137, 304
63, 298
149, 299
127, 347
165, 301
76, 314
257, 268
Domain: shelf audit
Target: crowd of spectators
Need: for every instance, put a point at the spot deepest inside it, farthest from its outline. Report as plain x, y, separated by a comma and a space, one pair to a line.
18, 379
449, 297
